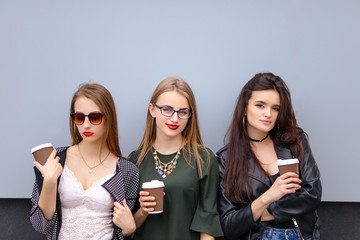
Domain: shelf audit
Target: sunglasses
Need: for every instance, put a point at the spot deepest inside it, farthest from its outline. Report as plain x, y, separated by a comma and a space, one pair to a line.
94, 118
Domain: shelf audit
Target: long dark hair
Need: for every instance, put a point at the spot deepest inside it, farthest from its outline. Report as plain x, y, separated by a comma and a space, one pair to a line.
239, 152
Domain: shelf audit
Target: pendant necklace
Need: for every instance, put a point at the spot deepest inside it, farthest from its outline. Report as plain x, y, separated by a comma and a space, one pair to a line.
165, 169
91, 168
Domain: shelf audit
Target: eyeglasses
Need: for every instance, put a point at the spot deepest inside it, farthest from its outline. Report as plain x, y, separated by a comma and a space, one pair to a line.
169, 112
94, 118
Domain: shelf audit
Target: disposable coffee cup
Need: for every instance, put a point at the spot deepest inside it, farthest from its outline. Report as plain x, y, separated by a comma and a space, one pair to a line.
42, 152
288, 165
156, 189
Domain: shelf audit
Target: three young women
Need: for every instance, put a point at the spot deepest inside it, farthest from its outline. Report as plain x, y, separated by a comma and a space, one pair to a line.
255, 202
172, 151
87, 190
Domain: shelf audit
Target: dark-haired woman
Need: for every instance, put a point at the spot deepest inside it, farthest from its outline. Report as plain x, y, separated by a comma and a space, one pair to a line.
254, 201
87, 190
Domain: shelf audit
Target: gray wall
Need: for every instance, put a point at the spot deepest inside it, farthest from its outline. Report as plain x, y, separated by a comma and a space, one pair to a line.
47, 48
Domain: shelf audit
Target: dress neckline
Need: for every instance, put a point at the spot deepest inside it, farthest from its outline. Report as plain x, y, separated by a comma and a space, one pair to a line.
106, 177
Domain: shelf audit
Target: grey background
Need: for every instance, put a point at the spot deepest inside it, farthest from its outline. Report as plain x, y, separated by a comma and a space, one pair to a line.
47, 48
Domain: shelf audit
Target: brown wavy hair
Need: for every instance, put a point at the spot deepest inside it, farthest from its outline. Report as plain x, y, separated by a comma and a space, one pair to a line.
239, 152
102, 97
191, 133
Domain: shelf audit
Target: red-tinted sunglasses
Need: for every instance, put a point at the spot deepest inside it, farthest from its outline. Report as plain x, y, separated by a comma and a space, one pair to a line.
94, 118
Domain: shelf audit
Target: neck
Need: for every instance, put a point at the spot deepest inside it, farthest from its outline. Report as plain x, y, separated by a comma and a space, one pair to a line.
93, 149
259, 140
255, 135
168, 145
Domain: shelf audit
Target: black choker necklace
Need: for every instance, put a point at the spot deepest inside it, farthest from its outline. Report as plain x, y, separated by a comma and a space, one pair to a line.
255, 140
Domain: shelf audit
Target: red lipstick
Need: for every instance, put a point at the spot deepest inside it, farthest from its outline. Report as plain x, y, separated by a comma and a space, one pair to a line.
88, 134
172, 127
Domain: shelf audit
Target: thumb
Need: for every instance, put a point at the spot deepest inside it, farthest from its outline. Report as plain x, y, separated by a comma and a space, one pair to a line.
38, 166
125, 204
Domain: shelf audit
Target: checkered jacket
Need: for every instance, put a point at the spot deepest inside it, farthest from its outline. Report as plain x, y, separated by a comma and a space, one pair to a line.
123, 184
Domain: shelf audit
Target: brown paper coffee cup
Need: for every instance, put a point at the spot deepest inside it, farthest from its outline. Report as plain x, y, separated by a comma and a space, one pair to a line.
288, 165
156, 189
42, 152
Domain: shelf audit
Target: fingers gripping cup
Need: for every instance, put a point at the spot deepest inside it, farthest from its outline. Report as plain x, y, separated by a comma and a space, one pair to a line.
288, 165
42, 152
156, 189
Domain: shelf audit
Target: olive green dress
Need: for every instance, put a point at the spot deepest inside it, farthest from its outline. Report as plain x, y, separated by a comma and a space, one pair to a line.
190, 203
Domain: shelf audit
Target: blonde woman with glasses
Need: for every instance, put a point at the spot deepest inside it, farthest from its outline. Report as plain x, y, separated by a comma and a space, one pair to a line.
172, 151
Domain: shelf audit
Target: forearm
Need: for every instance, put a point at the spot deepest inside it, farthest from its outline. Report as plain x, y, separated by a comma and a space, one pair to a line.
205, 236
140, 218
47, 199
266, 216
258, 207
128, 230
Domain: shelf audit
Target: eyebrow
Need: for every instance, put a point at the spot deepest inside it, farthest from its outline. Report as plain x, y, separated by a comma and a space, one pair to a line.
174, 109
259, 101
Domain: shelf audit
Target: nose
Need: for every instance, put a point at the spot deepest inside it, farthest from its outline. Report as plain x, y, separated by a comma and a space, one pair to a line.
267, 112
174, 117
86, 123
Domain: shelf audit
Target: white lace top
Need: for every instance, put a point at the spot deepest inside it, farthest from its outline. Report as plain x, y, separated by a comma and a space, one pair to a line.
86, 214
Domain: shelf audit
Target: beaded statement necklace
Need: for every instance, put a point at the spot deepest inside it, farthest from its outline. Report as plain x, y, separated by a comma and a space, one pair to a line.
165, 169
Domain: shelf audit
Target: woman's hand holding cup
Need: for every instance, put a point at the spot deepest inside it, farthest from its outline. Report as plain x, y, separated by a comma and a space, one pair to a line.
287, 183
147, 203
52, 169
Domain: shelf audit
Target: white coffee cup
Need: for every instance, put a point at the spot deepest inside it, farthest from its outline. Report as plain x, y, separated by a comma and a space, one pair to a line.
156, 189
288, 165
42, 152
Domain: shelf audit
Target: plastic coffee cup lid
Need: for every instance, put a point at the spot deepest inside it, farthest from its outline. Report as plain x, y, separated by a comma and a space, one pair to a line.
281, 162
153, 184
45, 145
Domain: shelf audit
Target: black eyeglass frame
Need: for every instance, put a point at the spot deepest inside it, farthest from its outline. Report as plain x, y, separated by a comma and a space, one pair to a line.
173, 111
72, 115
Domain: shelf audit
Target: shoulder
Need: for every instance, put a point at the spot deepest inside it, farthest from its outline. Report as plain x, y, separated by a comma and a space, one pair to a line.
205, 151
221, 156
221, 151
133, 156
61, 149
304, 138
126, 165
61, 152
206, 154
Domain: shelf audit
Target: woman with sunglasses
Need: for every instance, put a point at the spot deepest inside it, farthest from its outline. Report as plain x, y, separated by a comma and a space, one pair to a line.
255, 202
172, 151
87, 190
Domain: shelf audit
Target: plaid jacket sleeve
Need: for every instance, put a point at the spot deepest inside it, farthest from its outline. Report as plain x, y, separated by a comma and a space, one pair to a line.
37, 218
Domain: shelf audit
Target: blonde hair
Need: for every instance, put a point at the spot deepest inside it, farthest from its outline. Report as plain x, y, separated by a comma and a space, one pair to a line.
101, 97
191, 133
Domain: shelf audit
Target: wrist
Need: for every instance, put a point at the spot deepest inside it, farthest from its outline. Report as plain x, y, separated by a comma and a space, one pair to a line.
128, 231
50, 180
143, 213
265, 199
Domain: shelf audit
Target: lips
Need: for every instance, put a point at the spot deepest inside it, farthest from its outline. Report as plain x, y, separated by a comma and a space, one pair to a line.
266, 122
88, 134
172, 127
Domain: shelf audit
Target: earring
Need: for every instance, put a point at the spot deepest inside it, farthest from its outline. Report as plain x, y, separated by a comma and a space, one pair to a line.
245, 123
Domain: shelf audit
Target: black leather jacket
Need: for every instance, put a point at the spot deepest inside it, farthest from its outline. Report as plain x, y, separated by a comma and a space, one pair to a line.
237, 219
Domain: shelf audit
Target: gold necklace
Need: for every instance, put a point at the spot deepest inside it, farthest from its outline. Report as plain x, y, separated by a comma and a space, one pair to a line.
91, 168
165, 168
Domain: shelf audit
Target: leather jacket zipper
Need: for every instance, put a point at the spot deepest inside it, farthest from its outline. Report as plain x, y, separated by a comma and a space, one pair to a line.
297, 227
